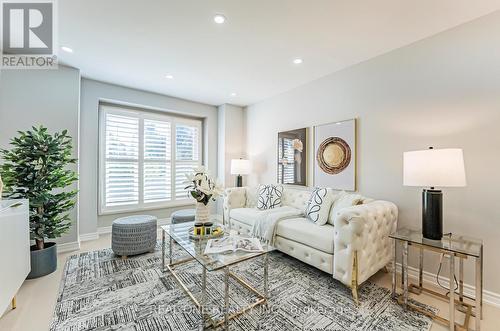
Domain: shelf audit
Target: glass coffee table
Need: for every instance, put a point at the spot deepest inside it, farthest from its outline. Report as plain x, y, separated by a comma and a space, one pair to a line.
180, 234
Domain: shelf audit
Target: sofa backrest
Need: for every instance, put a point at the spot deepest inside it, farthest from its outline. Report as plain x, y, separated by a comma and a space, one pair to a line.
293, 197
296, 198
252, 196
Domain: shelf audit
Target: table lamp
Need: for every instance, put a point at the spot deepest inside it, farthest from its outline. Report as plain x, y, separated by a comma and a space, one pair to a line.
240, 167
433, 168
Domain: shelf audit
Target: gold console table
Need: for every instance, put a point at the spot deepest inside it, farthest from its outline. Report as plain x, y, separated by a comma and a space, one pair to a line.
454, 246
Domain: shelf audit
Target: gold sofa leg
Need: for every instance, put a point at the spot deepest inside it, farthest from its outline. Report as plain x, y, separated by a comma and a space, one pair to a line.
354, 277
14, 303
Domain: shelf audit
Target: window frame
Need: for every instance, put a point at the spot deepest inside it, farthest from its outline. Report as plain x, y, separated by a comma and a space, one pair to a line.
142, 115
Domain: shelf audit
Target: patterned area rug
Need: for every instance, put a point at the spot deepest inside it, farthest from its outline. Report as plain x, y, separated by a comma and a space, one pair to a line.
99, 291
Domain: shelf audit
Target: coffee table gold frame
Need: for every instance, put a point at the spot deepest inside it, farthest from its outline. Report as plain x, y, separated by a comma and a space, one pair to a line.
469, 310
200, 304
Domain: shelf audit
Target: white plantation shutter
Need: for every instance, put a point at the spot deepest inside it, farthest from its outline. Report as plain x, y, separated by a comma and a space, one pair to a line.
289, 166
144, 158
186, 142
187, 152
157, 161
122, 160
286, 168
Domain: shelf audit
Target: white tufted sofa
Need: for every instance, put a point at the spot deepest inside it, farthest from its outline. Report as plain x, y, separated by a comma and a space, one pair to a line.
352, 247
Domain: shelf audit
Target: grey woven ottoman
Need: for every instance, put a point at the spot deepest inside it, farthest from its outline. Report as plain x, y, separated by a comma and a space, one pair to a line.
183, 215
133, 235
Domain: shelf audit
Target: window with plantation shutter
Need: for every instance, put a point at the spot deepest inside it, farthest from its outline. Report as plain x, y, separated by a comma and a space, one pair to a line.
157, 161
122, 160
144, 158
186, 155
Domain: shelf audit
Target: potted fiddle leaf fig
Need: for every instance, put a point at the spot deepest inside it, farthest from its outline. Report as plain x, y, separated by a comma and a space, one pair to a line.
36, 168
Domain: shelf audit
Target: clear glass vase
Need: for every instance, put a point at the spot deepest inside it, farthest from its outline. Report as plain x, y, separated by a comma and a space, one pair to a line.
202, 212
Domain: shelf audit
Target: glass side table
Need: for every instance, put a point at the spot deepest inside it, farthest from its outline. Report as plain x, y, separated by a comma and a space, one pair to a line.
455, 246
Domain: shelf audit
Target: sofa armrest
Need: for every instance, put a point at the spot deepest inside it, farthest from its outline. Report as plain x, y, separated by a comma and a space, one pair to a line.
234, 197
363, 230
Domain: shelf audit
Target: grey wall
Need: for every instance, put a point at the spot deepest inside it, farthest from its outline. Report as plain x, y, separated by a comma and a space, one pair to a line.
231, 144
91, 93
48, 97
444, 92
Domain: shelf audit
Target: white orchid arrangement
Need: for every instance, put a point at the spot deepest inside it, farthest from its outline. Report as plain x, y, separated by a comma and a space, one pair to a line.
202, 186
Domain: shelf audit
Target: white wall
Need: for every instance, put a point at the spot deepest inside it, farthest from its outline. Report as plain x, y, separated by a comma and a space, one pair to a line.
41, 97
443, 92
231, 141
91, 93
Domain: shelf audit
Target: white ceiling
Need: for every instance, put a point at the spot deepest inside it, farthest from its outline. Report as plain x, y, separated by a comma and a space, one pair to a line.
136, 43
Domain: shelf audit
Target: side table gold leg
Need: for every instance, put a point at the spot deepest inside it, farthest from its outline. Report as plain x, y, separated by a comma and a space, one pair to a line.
421, 267
394, 271
14, 303
452, 292
481, 280
405, 274
479, 310
461, 279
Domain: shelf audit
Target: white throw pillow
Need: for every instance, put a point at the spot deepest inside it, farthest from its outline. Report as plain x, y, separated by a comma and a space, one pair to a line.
342, 201
318, 207
269, 196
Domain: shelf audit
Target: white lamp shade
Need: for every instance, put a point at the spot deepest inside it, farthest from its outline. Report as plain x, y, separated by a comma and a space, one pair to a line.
434, 168
240, 167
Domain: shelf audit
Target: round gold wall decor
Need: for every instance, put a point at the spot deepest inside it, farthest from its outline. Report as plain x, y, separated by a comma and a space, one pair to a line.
333, 155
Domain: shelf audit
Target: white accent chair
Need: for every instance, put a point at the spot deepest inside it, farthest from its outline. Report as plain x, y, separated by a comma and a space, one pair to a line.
352, 246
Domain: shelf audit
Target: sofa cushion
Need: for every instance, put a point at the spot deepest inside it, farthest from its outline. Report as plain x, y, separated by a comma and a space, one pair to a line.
269, 196
318, 207
249, 216
303, 231
246, 216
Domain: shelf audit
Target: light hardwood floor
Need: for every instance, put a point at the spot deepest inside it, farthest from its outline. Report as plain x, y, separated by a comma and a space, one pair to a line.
36, 298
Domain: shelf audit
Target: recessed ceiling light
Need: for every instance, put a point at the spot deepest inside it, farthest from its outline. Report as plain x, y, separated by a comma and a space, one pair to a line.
219, 18
298, 61
67, 49
233, 94
169, 77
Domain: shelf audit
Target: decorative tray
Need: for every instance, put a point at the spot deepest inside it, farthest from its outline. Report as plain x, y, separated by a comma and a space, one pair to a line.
211, 236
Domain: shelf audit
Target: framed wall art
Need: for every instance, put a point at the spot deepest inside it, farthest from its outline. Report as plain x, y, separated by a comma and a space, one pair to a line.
292, 157
335, 155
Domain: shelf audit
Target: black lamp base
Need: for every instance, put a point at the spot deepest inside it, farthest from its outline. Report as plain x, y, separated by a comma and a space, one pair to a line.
432, 214
239, 181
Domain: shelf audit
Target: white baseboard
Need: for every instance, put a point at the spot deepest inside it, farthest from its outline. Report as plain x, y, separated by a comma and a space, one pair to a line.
68, 247
107, 229
89, 236
429, 278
